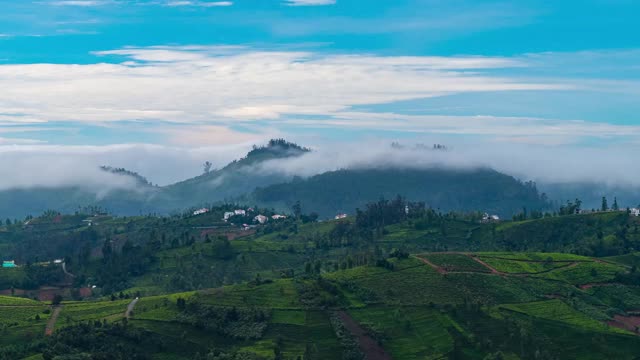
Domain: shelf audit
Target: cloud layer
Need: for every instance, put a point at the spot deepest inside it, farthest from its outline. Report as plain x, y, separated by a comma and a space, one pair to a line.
78, 165
190, 84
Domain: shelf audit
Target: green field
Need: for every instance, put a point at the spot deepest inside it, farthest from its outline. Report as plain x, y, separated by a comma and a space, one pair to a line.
455, 262
409, 333
556, 310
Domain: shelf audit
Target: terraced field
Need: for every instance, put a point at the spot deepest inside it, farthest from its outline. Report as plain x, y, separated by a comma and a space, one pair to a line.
455, 262
513, 266
100, 310
17, 301
558, 311
584, 273
409, 333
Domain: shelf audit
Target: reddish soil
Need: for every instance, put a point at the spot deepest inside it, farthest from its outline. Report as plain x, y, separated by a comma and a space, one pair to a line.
238, 234
46, 293
491, 268
590, 285
371, 349
434, 266
630, 323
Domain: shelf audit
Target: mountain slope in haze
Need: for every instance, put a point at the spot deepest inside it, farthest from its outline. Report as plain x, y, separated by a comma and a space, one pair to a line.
141, 196
591, 193
440, 188
237, 178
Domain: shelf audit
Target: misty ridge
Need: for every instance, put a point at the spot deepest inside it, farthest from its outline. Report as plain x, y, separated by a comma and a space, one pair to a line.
52, 167
124, 178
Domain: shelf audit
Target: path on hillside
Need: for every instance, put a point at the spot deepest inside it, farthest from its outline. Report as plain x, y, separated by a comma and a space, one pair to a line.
51, 324
64, 269
130, 308
434, 266
371, 349
492, 270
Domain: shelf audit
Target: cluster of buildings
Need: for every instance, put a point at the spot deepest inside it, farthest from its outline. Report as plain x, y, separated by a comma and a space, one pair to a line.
261, 219
634, 212
341, 216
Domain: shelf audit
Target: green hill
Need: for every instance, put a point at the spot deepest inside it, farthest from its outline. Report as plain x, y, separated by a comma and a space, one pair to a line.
444, 189
412, 311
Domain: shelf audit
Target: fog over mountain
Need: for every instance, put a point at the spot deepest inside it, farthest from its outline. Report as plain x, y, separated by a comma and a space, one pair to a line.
57, 166
177, 182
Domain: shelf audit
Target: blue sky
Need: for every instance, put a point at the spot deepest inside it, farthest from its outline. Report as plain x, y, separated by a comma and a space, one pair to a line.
196, 74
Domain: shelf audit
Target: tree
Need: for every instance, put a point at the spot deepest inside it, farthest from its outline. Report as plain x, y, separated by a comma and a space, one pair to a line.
604, 206
207, 167
297, 209
56, 300
615, 206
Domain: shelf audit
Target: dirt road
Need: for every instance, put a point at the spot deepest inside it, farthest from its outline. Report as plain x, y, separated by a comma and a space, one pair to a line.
51, 324
371, 349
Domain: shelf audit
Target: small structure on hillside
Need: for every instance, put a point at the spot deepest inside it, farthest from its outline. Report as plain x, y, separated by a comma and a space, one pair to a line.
228, 214
261, 219
341, 216
278, 217
634, 212
7, 264
486, 218
58, 261
240, 212
200, 211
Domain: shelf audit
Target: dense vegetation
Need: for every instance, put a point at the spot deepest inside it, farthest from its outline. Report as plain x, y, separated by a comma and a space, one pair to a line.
444, 189
398, 279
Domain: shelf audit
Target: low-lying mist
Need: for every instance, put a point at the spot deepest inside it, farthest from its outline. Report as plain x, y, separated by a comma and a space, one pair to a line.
31, 166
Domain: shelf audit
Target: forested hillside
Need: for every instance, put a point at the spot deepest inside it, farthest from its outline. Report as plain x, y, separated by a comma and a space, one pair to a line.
398, 280
444, 189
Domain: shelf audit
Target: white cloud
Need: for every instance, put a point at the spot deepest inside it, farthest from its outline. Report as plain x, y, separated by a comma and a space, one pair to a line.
18, 141
82, 3
310, 2
178, 3
511, 129
218, 84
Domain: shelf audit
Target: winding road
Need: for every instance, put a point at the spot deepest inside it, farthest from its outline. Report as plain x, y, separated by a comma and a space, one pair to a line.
130, 308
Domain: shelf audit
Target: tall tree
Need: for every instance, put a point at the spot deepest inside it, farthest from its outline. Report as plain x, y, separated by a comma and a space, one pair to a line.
615, 206
207, 167
604, 206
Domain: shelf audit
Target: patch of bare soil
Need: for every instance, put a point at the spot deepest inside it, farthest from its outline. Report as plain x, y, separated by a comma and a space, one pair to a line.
630, 323
371, 349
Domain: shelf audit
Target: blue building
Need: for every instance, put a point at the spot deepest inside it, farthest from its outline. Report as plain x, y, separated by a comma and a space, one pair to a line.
9, 264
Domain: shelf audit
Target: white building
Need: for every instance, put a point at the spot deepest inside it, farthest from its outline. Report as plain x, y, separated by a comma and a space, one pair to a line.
488, 218
261, 219
201, 211
341, 216
228, 214
634, 211
278, 217
240, 212
58, 261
